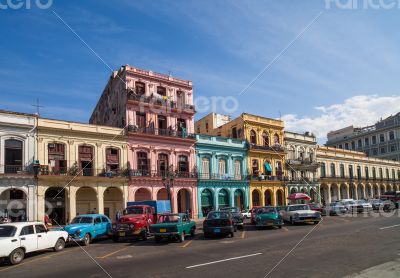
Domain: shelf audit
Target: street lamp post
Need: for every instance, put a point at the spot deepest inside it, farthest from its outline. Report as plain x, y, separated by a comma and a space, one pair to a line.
168, 183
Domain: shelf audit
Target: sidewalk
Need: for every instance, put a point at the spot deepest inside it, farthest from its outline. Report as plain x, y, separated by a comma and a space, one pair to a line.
386, 270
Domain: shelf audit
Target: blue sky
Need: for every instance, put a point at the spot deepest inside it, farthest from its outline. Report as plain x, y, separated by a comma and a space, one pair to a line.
343, 70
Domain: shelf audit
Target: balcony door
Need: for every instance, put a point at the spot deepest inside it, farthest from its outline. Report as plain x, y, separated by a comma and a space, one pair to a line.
13, 156
86, 160
162, 164
140, 120
56, 158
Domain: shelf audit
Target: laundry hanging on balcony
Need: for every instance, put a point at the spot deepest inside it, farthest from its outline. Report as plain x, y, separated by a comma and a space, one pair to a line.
267, 167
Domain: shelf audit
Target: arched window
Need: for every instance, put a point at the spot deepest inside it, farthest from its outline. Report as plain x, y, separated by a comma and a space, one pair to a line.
393, 175
162, 164
333, 170
265, 140
387, 173
13, 156
276, 139
143, 164
205, 168
366, 172
180, 97
253, 137
278, 169
351, 174
341, 170
359, 172
254, 167
140, 88
381, 173
323, 171
373, 173
86, 158
237, 170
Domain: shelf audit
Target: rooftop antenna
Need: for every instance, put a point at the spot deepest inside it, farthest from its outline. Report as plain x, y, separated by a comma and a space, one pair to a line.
280, 115
38, 106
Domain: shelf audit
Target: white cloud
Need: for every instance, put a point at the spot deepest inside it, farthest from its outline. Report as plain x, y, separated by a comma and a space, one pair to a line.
358, 111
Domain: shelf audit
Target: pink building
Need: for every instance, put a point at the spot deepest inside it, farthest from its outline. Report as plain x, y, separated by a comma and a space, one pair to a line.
157, 112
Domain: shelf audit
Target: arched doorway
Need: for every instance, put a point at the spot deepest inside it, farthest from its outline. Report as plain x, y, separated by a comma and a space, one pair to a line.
184, 204
343, 191
86, 201
55, 206
376, 191
352, 191
239, 199
255, 197
279, 197
368, 191
162, 194
383, 189
206, 201
360, 192
223, 198
267, 198
15, 205
324, 194
142, 194
113, 202
334, 192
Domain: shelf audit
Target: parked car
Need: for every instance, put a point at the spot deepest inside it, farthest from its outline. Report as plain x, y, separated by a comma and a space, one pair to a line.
246, 214
17, 239
86, 227
317, 207
237, 216
268, 217
352, 207
219, 223
335, 208
367, 207
173, 226
301, 214
382, 205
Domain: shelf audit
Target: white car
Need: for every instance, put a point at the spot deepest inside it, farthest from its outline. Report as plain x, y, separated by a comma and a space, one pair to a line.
17, 239
246, 214
300, 214
366, 205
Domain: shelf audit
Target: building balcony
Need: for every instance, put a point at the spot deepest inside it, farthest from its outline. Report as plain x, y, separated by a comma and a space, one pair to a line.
267, 178
160, 102
275, 148
160, 132
15, 170
207, 176
134, 173
85, 172
300, 180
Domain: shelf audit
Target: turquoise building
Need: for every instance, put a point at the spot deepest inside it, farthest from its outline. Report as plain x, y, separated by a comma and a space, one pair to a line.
222, 173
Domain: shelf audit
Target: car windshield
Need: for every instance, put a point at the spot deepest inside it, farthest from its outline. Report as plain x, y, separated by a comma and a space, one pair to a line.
349, 203
360, 202
133, 210
266, 210
218, 215
230, 209
299, 207
7, 231
87, 220
169, 219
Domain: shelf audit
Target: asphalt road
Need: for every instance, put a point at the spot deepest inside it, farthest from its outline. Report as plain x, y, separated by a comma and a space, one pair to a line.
336, 247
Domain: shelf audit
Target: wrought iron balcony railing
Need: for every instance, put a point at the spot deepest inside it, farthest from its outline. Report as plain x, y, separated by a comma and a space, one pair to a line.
87, 172
160, 132
208, 176
15, 169
274, 148
158, 101
161, 174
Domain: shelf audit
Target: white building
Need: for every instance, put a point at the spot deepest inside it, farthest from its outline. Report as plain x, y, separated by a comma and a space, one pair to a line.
17, 152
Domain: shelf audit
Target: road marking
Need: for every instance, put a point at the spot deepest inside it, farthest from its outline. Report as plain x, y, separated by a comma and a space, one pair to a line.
243, 234
36, 259
285, 229
224, 260
124, 257
112, 253
187, 244
388, 227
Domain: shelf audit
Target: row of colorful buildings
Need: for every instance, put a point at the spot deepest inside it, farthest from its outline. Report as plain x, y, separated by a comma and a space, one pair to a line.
142, 143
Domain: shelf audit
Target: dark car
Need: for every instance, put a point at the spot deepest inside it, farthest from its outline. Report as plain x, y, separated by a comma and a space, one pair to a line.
237, 216
219, 223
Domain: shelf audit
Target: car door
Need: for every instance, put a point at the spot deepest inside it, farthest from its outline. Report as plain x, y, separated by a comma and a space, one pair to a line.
98, 228
28, 238
107, 224
43, 238
186, 224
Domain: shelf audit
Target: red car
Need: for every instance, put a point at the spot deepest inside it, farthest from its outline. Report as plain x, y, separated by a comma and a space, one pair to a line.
317, 207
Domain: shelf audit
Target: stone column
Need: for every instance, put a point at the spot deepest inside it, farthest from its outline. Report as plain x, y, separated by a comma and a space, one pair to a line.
40, 203
100, 199
329, 194
72, 202
232, 197
230, 166
174, 197
216, 205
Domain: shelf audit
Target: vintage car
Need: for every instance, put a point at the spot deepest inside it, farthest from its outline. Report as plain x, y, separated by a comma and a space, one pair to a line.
367, 207
173, 226
301, 213
17, 239
352, 206
335, 208
237, 216
268, 217
219, 223
86, 227
382, 205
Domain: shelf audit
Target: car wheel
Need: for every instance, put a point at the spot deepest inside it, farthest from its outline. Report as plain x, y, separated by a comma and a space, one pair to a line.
280, 227
144, 235
60, 244
232, 234
115, 239
16, 256
182, 237
87, 239
235, 229
192, 232
292, 221
157, 239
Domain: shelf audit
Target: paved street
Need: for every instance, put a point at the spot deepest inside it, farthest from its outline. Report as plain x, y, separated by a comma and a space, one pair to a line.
337, 247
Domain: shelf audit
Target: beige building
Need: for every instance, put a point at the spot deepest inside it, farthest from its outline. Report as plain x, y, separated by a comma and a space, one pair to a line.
350, 174
83, 169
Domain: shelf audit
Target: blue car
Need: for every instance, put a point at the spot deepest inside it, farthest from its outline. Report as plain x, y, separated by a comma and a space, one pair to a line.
86, 227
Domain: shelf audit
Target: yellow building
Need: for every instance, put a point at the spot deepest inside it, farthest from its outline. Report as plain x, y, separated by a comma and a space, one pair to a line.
349, 174
266, 155
83, 169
